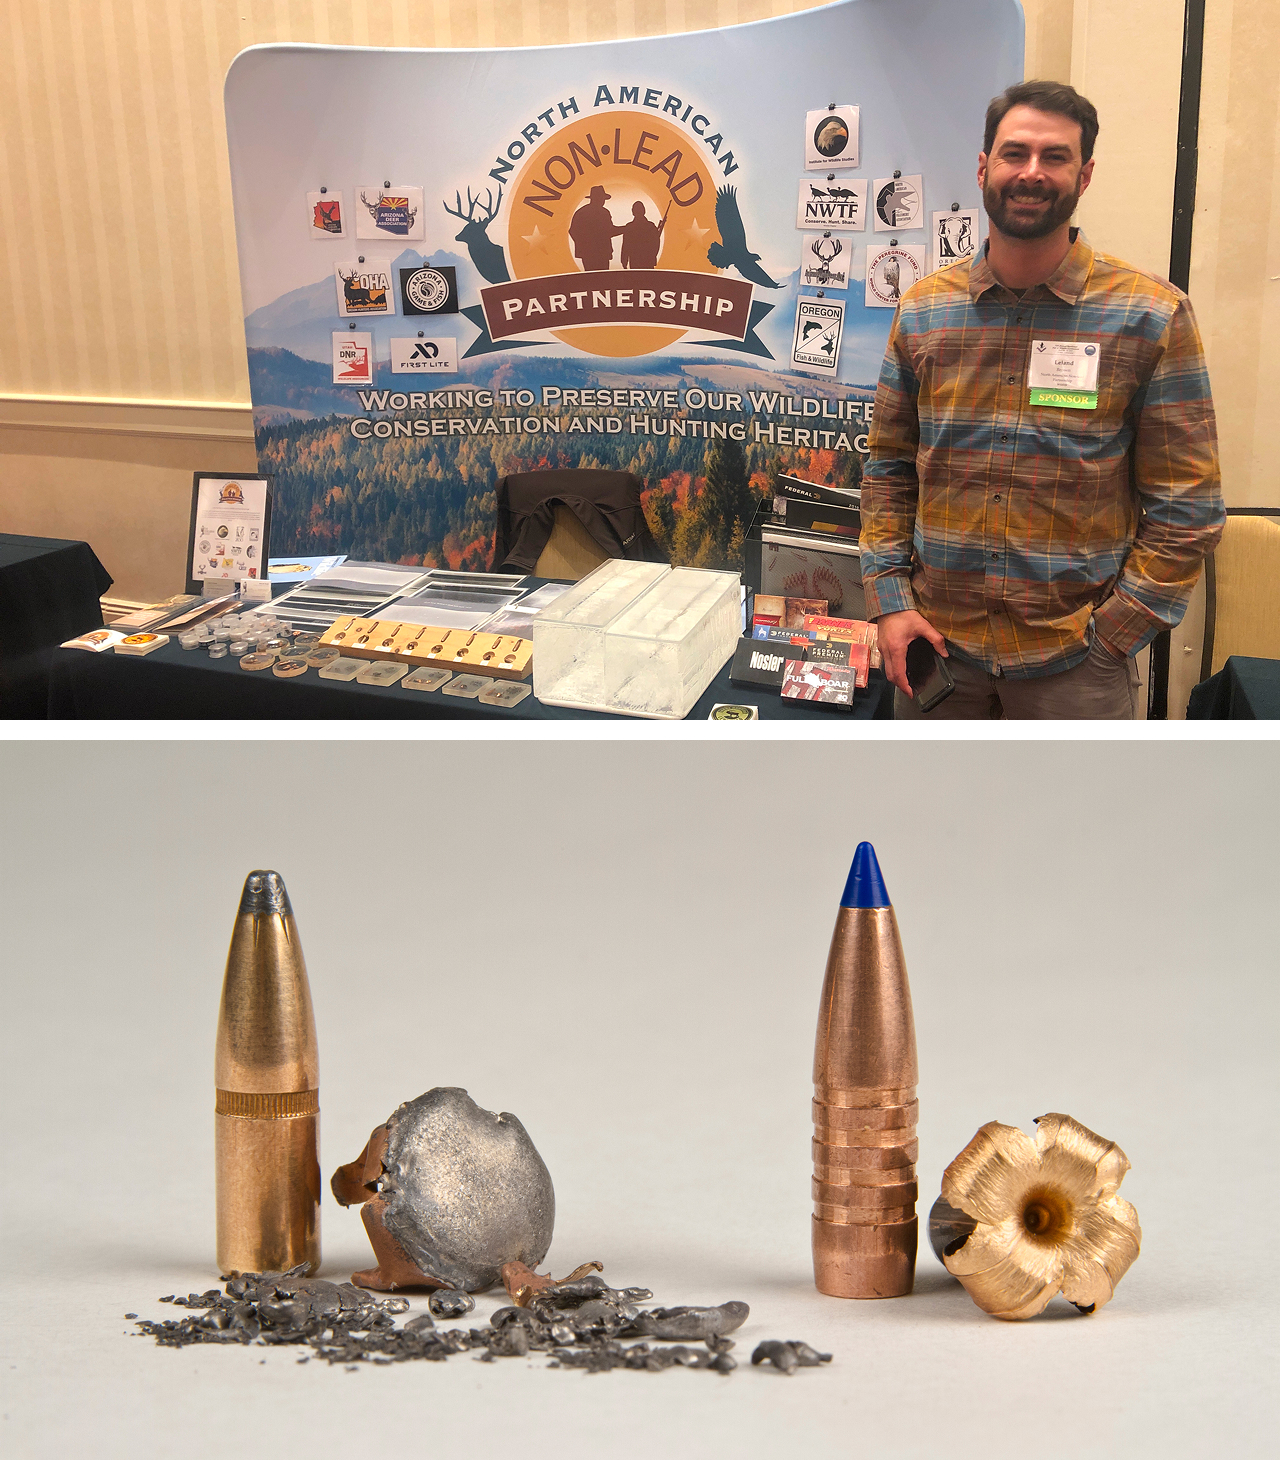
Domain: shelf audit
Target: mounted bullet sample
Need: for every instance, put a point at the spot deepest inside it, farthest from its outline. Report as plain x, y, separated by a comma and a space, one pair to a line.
864, 1106
267, 1073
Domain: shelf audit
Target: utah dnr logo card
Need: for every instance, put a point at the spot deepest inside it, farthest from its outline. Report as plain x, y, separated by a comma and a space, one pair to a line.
363, 289
815, 346
431, 289
839, 203
424, 357
325, 214
389, 212
352, 358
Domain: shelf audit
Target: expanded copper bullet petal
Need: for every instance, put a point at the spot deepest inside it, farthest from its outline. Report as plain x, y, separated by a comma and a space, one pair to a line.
864, 1106
267, 1104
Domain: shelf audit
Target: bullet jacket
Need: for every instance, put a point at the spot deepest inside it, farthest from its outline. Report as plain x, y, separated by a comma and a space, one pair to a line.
267, 1100
865, 1107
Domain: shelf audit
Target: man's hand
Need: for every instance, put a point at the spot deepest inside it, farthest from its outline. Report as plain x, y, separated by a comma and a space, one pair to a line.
895, 632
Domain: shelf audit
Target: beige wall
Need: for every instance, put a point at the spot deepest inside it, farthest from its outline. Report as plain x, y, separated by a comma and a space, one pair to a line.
122, 293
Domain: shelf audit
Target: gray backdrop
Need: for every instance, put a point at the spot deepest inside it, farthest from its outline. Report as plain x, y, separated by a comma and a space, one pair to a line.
627, 954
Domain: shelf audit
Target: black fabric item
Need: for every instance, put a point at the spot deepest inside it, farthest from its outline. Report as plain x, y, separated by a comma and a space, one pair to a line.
607, 503
49, 592
1243, 689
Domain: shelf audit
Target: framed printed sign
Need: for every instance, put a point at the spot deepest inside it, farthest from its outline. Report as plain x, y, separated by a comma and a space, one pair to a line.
230, 530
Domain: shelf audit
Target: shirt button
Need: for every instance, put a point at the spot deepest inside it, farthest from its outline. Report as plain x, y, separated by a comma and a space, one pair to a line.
993, 555
997, 496
1019, 319
1004, 438
1011, 379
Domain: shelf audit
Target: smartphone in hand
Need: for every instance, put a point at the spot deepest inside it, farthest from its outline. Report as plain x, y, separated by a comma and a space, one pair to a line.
927, 674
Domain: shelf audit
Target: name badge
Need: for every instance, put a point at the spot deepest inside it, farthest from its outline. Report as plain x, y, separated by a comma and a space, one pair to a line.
1064, 373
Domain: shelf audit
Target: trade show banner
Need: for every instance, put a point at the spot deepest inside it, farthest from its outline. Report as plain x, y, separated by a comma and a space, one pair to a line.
677, 256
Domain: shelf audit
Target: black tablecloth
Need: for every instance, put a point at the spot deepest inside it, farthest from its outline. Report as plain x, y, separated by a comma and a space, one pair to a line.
1243, 689
49, 592
174, 683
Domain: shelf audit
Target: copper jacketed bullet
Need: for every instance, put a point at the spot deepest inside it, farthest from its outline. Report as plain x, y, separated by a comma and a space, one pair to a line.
267, 1073
864, 1106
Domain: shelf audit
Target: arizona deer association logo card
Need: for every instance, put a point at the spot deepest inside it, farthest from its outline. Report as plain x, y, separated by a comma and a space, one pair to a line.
423, 357
326, 216
891, 272
824, 260
839, 203
363, 289
430, 289
389, 212
815, 346
831, 137
352, 358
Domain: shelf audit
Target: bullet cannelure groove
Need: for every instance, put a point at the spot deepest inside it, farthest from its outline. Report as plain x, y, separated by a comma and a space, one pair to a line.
864, 1105
267, 1101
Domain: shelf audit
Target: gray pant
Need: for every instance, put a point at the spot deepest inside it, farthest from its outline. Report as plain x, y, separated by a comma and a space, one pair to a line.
1100, 687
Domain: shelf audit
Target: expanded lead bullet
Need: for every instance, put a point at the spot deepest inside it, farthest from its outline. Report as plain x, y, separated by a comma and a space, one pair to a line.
267, 1073
864, 1106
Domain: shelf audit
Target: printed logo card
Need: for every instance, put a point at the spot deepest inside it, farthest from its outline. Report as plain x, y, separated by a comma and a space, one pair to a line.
837, 203
899, 202
363, 289
891, 272
955, 236
352, 358
831, 137
391, 212
825, 259
431, 289
326, 215
424, 357
815, 345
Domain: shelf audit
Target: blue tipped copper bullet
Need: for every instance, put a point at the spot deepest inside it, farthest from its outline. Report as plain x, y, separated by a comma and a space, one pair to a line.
864, 1101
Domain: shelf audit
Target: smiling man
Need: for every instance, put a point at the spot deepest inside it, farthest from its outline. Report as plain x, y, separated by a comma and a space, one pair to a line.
1043, 481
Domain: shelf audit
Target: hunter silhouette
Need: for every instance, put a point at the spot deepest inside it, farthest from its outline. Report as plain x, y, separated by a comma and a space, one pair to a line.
592, 229
641, 240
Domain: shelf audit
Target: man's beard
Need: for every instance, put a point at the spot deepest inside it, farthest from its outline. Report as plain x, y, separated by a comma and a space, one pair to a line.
1061, 207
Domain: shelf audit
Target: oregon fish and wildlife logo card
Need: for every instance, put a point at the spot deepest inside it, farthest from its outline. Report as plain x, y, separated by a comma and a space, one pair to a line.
831, 137
832, 203
815, 345
326, 218
363, 289
429, 289
389, 212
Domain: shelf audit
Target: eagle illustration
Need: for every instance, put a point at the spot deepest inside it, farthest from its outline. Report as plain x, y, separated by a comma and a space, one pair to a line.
731, 252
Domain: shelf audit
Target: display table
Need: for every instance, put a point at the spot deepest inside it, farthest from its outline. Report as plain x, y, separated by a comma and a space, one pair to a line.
178, 684
49, 592
1243, 689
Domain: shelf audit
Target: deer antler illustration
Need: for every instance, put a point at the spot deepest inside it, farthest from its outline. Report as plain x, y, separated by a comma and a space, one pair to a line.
490, 207
487, 256
827, 249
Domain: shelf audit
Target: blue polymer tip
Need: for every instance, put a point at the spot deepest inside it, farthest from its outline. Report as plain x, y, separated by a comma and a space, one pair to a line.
865, 887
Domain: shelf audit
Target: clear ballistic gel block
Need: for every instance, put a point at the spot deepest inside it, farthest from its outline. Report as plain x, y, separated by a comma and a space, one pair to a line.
663, 651
568, 635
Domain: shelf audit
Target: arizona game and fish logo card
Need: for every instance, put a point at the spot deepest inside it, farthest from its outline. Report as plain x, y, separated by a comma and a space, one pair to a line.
815, 346
389, 213
363, 289
352, 358
430, 289
840, 203
891, 272
825, 259
327, 218
831, 137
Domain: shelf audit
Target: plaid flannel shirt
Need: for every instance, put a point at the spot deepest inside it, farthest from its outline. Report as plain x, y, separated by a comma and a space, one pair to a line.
1019, 530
